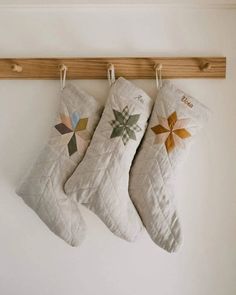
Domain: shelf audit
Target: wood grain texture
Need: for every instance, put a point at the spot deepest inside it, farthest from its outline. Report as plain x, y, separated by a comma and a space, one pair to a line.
128, 67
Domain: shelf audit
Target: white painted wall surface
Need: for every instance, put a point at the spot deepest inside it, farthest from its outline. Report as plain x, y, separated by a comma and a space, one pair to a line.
35, 262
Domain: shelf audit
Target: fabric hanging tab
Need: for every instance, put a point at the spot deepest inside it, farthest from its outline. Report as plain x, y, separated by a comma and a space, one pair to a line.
158, 69
63, 72
111, 74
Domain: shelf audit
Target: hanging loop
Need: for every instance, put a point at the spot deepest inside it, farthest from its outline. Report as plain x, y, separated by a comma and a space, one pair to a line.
158, 68
63, 71
111, 74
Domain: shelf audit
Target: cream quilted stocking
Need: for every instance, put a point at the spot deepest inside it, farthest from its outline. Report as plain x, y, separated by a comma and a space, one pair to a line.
42, 189
175, 120
100, 181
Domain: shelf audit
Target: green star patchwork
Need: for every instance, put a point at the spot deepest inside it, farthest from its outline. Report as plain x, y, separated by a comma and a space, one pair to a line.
125, 125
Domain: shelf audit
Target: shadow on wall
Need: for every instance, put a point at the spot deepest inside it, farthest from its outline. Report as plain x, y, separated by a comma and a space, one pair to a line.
26, 114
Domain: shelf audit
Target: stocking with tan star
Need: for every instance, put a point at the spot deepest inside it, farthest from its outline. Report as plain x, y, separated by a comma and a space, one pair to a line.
175, 120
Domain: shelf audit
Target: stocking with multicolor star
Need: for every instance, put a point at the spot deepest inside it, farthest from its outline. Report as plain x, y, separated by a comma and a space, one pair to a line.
175, 119
42, 189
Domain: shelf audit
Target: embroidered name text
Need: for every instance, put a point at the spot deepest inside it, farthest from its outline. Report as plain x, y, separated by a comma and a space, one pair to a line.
139, 98
187, 101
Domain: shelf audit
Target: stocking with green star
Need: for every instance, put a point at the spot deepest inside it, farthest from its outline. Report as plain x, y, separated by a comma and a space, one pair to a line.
100, 181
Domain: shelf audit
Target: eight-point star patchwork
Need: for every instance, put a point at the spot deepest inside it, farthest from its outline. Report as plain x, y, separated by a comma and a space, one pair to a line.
171, 131
73, 129
125, 125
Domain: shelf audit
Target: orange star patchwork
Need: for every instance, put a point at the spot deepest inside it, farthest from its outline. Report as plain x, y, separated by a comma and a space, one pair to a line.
171, 131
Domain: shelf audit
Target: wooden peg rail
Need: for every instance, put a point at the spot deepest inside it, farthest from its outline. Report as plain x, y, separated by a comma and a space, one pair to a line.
128, 67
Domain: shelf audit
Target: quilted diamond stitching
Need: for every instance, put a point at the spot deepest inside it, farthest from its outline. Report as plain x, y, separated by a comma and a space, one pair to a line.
71, 100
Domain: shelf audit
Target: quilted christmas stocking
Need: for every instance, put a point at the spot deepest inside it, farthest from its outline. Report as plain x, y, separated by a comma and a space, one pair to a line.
175, 119
100, 181
42, 189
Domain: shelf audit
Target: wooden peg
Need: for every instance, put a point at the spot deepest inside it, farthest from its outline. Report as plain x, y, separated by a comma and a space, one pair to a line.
62, 67
110, 67
206, 66
157, 67
16, 68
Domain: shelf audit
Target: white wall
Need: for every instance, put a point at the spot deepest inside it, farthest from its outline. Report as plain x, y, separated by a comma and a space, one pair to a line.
32, 259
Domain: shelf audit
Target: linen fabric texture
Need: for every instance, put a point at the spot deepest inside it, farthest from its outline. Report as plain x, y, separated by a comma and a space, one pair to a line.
42, 189
176, 118
100, 182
